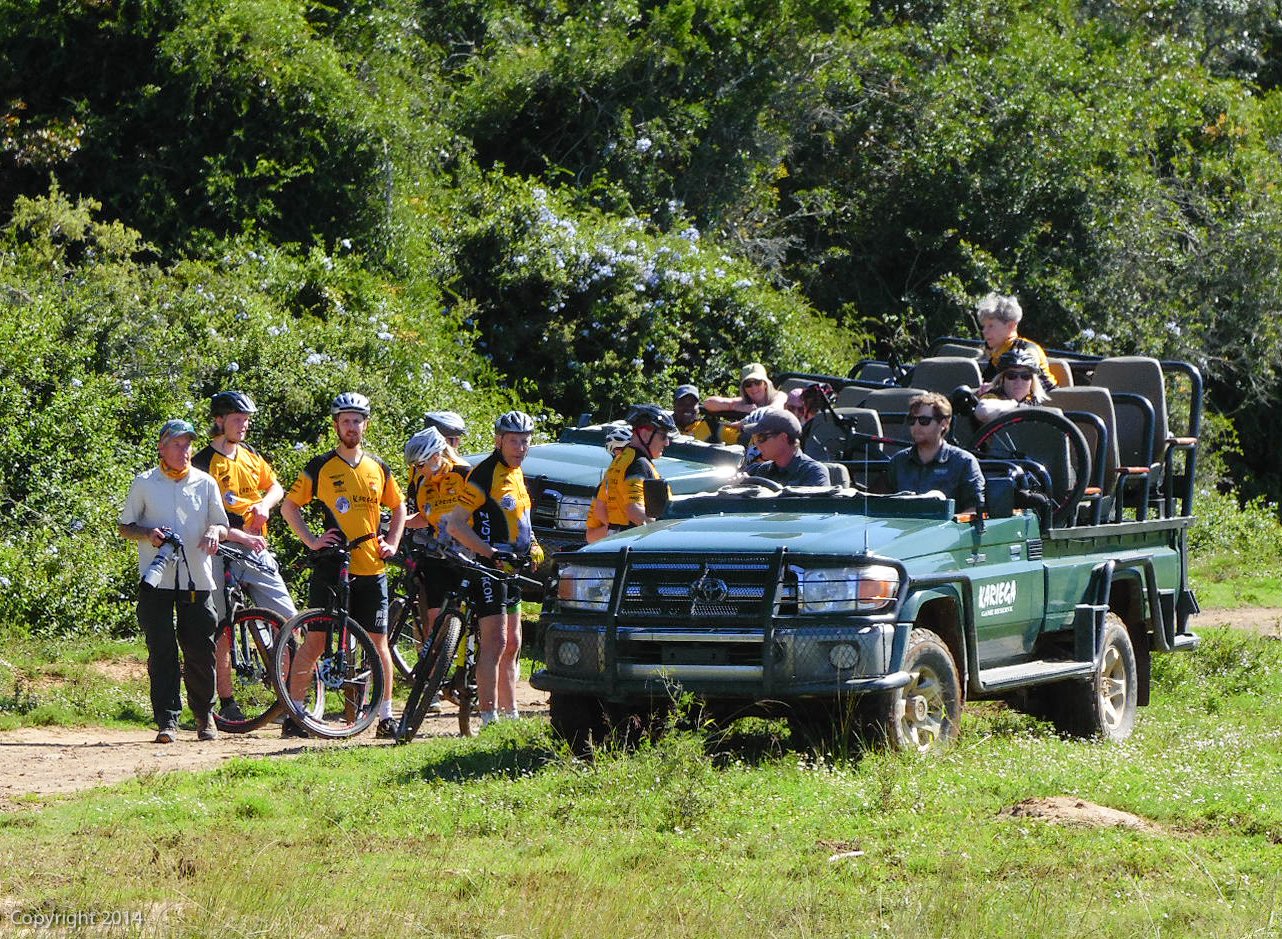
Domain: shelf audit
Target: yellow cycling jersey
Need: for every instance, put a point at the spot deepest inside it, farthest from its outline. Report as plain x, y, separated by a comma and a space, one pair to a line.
496, 496
351, 496
242, 480
699, 430
623, 484
434, 495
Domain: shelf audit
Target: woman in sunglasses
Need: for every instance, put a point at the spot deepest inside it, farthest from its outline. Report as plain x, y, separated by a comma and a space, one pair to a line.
1020, 382
755, 391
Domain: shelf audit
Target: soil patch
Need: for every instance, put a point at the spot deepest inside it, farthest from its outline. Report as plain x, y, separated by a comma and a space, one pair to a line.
1067, 810
1266, 621
50, 761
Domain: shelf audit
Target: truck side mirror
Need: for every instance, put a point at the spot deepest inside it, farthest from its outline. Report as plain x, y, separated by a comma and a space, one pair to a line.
656, 496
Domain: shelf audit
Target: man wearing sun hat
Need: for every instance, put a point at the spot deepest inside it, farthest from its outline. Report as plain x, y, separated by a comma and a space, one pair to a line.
176, 507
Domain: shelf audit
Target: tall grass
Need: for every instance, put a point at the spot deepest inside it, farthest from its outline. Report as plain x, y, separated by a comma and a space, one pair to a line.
703, 834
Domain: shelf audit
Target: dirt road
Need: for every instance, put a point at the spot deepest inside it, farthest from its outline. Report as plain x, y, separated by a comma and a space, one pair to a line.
44, 761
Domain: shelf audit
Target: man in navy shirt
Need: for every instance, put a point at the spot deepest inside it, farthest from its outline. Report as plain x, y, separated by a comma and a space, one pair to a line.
933, 464
777, 434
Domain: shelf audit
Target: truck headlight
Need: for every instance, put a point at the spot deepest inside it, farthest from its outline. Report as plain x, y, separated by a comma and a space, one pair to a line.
863, 589
572, 513
585, 588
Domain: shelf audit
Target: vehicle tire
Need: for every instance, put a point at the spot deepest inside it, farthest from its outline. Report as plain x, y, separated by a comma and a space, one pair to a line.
342, 698
582, 721
1105, 706
405, 634
924, 715
429, 675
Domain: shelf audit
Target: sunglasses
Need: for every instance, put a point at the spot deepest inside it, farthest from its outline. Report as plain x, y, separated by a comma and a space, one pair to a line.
925, 420
759, 439
1020, 376
752, 382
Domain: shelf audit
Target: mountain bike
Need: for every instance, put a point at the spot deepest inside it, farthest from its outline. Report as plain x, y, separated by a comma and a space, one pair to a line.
404, 618
348, 681
452, 644
249, 634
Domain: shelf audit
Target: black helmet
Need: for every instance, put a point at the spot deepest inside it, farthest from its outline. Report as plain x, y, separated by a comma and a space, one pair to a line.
449, 423
651, 415
1021, 356
350, 401
231, 402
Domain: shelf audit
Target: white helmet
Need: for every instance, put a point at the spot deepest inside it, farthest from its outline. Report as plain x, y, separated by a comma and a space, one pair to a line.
450, 423
350, 401
617, 437
423, 446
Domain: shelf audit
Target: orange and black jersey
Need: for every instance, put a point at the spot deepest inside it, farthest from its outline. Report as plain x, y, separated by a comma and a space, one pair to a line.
624, 484
351, 496
436, 494
242, 480
496, 496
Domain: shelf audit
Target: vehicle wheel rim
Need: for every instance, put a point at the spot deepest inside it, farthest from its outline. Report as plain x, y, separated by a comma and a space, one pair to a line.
922, 711
1112, 688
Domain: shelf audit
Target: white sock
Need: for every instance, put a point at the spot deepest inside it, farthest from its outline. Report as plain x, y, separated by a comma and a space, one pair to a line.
512, 715
384, 709
488, 718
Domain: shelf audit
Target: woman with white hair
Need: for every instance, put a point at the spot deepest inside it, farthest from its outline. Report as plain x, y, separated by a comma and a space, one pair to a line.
999, 318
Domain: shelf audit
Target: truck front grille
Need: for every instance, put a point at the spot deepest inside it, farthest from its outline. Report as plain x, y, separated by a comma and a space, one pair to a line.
680, 590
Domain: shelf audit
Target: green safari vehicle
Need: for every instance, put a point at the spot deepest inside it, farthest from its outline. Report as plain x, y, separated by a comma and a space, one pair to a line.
851, 610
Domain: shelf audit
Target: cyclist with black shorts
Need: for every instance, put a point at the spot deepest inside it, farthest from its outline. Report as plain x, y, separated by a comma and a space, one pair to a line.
351, 486
492, 519
437, 474
250, 491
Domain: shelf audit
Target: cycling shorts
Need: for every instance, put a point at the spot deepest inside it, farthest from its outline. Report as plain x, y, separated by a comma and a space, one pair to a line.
491, 596
367, 602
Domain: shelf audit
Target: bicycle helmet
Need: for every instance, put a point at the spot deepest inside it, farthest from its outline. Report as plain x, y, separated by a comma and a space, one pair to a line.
449, 423
617, 437
423, 446
1021, 356
350, 401
514, 422
231, 402
651, 415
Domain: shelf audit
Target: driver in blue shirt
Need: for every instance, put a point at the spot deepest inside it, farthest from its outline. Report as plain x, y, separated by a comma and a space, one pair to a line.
933, 464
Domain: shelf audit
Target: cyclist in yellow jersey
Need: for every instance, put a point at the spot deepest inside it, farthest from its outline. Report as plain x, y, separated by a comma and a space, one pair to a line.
437, 475
492, 520
598, 523
250, 491
624, 489
351, 487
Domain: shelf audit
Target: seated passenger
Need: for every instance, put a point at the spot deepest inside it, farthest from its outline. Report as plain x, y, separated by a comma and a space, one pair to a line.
685, 411
777, 434
932, 464
1020, 382
999, 318
755, 391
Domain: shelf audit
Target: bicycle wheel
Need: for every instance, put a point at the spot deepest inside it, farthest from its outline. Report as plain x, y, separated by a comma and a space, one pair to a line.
429, 674
405, 633
251, 636
345, 682
469, 712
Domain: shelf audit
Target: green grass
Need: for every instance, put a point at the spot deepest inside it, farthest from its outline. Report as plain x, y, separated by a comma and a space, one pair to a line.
703, 836
73, 682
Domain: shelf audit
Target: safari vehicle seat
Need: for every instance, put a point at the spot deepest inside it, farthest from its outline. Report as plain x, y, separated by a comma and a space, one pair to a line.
828, 440
891, 404
1099, 402
1062, 372
944, 373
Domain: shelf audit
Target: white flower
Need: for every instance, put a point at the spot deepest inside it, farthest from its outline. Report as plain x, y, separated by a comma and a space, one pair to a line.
233, 367
644, 144
346, 243
1088, 334
314, 359
76, 383
385, 336
299, 446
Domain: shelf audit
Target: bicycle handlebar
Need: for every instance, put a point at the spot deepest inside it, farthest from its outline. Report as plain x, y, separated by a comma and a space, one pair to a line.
459, 560
241, 556
340, 551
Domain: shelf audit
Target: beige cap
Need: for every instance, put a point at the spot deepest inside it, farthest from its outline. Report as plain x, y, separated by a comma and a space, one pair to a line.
753, 371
